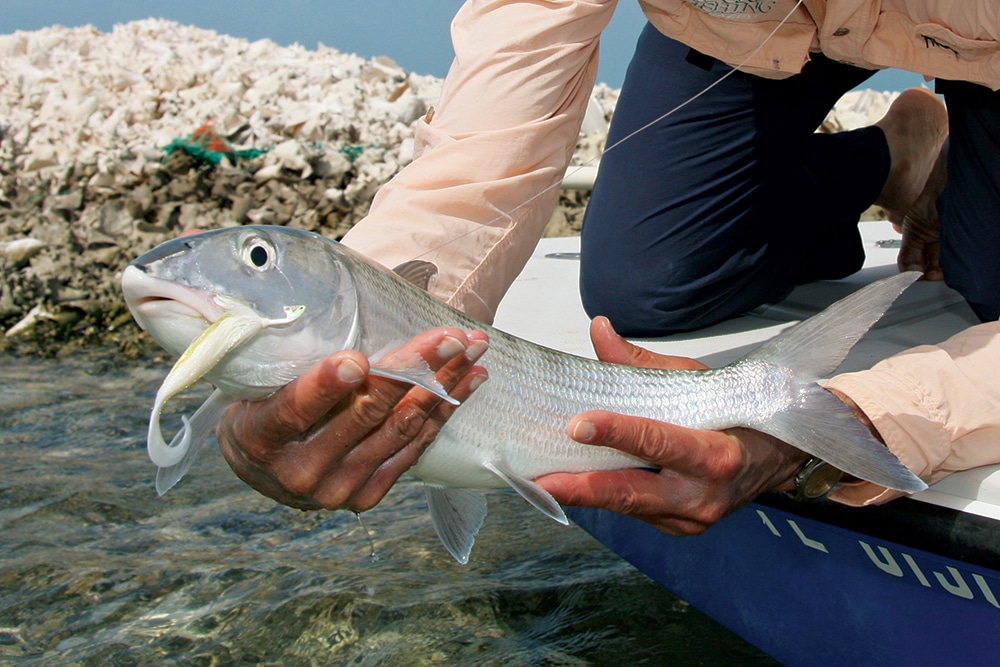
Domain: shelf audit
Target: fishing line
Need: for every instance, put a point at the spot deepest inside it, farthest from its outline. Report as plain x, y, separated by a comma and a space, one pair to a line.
704, 90
372, 557
508, 215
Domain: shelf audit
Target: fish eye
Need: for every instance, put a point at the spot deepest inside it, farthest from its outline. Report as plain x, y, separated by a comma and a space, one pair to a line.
259, 254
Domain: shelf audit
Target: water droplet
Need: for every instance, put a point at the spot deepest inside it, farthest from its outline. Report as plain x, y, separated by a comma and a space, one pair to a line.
372, 557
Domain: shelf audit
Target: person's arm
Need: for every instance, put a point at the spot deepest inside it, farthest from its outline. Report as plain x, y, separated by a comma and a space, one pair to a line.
474, 201
484, 181
937, 407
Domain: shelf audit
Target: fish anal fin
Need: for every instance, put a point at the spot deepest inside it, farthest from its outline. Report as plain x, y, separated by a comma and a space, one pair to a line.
538, 497
457, 515
822, 425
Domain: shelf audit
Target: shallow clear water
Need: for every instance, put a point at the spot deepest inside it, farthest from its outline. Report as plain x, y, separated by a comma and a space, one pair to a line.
95, 569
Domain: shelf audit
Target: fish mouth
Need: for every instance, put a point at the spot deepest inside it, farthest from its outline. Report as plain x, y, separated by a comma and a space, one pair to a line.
150, 298
174, 314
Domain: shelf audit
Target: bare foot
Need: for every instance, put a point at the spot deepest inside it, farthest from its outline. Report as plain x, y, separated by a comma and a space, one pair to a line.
915, 127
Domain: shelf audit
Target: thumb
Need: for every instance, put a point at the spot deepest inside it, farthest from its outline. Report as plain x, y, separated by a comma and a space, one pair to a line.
612, 348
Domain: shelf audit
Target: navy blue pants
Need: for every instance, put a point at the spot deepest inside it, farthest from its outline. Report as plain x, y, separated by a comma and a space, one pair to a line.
733, 199
970, 204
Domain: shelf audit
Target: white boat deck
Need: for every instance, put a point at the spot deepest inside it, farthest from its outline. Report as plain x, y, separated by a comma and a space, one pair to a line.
544, 306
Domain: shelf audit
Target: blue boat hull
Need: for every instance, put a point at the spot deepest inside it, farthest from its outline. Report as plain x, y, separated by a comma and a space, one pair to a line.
815, 584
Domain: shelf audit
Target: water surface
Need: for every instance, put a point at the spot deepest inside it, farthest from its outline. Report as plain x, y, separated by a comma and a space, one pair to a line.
95, 569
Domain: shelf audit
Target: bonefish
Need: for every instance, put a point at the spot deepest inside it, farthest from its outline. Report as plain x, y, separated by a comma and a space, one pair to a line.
250, 308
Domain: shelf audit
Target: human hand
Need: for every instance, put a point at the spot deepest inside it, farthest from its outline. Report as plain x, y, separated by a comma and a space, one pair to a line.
703, 475
339, 438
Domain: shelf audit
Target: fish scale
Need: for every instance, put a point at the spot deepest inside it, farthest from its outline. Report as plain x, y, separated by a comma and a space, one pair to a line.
513, 428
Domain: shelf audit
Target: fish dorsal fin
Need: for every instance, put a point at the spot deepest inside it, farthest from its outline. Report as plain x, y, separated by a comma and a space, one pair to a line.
415, 371
457, 515
816, 347
538, 497
196, 430
417, 272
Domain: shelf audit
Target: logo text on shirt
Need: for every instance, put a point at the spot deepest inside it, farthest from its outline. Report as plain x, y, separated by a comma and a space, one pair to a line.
729, 7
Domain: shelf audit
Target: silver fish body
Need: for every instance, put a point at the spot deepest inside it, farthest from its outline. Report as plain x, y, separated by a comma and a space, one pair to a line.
513, 429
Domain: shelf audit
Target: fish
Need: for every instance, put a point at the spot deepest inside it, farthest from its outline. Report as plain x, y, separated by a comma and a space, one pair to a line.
250, 308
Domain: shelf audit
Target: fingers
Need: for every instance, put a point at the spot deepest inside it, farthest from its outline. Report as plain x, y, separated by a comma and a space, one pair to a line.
663, 445
297, 407
386, 474
407, 423
252, 435
320, 440
614, 349
689, 491
659, 500
698, 476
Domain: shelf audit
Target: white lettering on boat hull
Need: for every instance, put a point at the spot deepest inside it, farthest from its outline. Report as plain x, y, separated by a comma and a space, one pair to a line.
899, 564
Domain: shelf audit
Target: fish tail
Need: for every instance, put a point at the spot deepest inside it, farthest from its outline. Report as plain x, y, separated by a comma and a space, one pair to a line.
817, 346
818, 422
822, 425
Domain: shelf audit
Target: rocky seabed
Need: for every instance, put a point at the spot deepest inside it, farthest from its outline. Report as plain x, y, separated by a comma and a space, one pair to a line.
111, 143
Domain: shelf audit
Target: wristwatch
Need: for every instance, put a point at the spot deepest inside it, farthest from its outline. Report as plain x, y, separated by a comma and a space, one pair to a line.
816, 479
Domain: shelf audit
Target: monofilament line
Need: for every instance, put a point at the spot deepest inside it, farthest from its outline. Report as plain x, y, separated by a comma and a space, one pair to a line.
509, 214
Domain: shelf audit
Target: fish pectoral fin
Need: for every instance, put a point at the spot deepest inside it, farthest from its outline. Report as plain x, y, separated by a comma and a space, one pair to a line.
416, 372
538, 497
457, 515
822, 425
196, 431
